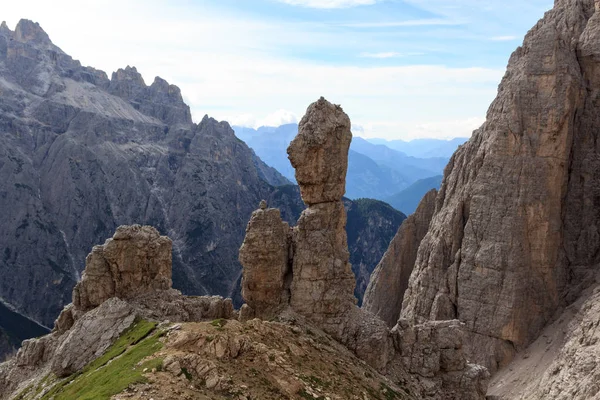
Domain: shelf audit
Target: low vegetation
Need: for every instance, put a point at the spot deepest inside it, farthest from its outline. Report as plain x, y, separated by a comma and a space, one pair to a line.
121, 366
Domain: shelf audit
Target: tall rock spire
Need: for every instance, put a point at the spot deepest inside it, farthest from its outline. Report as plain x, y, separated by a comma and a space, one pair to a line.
316, 279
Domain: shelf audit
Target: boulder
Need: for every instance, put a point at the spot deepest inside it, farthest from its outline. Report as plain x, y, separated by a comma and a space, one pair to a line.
136, 260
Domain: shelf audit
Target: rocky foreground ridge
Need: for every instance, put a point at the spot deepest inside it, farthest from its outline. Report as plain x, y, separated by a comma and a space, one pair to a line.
511, 245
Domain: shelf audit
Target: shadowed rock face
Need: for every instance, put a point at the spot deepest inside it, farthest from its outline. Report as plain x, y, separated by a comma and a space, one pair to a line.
265, 257
389, 281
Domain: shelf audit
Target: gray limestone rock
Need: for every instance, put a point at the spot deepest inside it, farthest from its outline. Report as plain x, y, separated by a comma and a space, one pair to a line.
323, 283
91, 336
515, 232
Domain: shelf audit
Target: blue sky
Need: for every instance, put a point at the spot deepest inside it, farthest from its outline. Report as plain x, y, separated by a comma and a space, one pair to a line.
400, 68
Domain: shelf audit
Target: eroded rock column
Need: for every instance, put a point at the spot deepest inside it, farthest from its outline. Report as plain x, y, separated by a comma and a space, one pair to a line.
265, 257
323, 282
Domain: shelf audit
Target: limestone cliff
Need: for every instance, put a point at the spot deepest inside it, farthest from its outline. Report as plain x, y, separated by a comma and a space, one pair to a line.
515, 234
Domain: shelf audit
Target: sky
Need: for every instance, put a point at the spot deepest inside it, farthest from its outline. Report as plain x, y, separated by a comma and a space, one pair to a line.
401, 69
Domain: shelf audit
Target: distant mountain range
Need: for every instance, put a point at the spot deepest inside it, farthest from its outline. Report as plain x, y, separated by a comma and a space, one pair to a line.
408, 199
377, 169
423, 148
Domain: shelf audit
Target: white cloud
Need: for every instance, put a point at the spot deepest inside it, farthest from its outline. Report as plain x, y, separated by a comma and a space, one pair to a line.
503, 38
246, 120
406, 23
242, 75
446, 129
329, 3
277, 118
389, 54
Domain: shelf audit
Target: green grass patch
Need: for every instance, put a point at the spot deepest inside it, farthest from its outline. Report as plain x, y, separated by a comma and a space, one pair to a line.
113, 372
219, 323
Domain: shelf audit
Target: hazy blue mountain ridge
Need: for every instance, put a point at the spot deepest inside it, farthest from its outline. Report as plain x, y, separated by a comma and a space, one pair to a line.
375, 170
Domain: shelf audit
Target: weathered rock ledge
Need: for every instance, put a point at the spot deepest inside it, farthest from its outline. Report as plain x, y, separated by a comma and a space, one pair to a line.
126, 279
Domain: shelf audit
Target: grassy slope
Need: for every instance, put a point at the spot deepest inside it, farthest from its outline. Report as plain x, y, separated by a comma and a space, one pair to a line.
109, 374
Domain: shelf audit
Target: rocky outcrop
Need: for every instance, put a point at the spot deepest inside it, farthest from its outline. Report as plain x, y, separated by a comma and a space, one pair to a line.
389, 281
135, 261
125, 280
319, 153
322, 282
434, 352
265, 255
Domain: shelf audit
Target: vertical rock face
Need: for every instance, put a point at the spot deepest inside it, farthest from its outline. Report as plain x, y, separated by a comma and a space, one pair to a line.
389, 281
515, 232
323, 282
136, 260
265, 257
